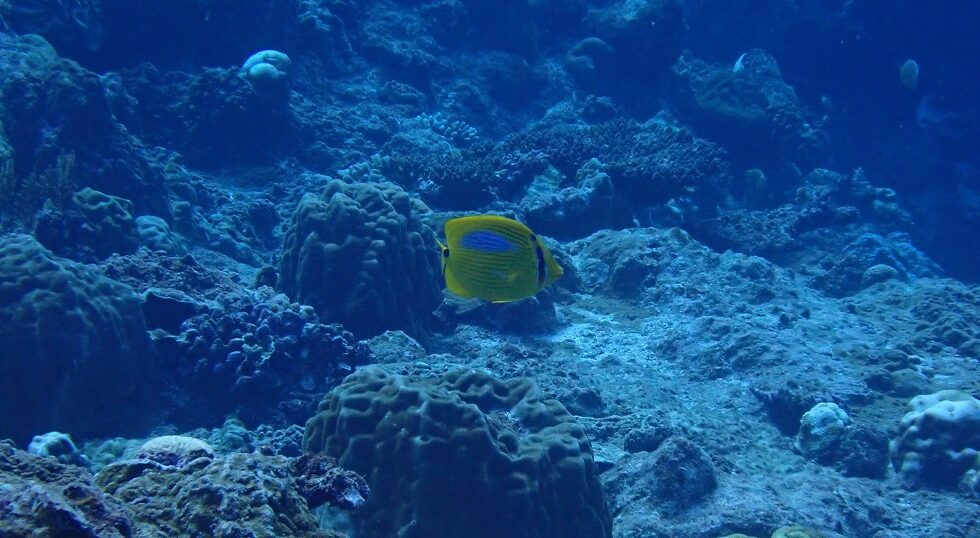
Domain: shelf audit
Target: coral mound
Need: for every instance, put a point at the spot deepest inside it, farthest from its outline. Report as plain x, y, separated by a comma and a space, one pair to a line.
463, 455
360, 255
76, 347
938, 440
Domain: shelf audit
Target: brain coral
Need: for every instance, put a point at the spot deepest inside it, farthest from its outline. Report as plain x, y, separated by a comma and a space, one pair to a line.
75, 346
463, 455
360, 256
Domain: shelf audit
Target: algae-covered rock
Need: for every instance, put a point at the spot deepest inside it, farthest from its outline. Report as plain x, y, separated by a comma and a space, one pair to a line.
41, 497
360, 256
464, 455
796, 531
238, 495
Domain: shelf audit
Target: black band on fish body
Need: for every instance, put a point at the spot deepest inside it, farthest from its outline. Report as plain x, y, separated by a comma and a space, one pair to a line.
542, 267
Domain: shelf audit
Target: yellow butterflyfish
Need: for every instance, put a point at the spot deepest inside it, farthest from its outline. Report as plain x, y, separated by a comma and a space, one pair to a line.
496, 259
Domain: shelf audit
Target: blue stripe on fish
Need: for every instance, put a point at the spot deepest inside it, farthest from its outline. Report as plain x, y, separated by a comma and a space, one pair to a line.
486, 241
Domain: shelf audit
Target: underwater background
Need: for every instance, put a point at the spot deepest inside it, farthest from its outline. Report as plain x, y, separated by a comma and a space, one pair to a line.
222, 303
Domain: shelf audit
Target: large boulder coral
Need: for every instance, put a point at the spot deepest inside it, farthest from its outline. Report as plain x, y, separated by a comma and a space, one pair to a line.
462, 455
360, 255
76, 355
938, 440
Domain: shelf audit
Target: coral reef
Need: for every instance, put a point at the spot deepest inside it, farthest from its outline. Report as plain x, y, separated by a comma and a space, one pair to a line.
764, 261
750, 109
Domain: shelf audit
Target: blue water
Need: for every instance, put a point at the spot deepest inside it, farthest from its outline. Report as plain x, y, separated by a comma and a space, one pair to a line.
219, 221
